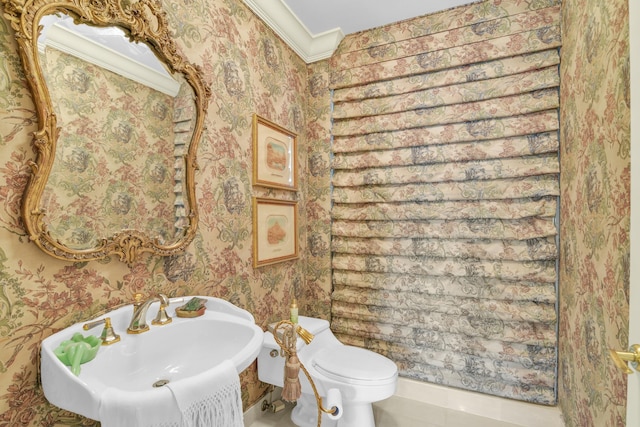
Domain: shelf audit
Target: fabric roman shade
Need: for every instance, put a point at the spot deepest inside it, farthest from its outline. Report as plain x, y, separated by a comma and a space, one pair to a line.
445, 193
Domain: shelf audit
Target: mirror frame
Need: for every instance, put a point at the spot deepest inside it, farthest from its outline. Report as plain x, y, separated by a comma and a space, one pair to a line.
142, 21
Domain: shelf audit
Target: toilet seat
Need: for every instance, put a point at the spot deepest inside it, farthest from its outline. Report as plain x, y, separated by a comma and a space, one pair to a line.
354, 365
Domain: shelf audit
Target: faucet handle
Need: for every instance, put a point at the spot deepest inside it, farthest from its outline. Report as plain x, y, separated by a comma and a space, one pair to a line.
137, 300
162, 318
108, 335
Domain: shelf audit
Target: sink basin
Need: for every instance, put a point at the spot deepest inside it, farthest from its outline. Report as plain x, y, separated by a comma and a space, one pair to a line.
181, 350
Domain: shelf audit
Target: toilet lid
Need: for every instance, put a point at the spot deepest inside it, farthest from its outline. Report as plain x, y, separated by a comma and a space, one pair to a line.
354, 363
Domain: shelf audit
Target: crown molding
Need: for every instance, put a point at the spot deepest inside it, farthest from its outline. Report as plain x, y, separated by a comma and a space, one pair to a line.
279, 17
93, 52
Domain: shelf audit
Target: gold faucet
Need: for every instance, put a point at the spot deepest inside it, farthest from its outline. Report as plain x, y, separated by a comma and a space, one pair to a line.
138, 322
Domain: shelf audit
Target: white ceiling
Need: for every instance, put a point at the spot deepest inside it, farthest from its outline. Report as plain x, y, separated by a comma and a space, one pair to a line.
352, 16
314, 28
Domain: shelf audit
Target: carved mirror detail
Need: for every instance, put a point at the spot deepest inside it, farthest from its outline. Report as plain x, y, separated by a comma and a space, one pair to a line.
120, 115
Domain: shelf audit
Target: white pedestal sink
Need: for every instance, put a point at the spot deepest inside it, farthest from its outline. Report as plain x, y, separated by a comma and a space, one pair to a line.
181, 350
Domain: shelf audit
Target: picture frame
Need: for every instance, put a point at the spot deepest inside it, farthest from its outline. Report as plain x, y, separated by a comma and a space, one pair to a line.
275, 231
274, 155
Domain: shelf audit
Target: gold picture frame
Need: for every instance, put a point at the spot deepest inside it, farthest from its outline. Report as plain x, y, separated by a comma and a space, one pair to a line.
275, 231
274, 155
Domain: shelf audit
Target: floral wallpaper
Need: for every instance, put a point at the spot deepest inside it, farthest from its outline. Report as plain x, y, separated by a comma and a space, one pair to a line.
250, 70
594, 231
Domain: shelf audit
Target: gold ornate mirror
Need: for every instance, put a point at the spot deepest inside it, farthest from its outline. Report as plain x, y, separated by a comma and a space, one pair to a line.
120, 115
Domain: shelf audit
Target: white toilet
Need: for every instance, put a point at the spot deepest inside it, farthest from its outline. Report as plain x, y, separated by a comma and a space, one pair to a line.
361, 376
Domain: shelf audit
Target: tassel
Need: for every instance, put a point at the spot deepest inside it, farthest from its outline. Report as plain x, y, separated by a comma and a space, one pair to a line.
292, 389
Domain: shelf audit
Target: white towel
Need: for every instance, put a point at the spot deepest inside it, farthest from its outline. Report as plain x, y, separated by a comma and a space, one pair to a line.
122, 408
212, 399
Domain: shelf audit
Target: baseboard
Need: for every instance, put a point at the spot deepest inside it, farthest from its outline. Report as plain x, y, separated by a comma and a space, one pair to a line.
496, 408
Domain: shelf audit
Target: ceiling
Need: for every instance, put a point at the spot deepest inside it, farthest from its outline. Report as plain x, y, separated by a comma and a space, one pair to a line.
352, 16
314, 28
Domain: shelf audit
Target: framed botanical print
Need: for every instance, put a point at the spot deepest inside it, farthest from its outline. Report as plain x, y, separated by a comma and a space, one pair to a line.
275, 231
274, 155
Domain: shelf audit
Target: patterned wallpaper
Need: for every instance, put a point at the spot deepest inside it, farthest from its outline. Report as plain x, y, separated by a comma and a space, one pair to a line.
595, 206
249, 70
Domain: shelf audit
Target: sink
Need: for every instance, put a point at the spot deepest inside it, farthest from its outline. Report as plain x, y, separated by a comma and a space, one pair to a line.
180, 350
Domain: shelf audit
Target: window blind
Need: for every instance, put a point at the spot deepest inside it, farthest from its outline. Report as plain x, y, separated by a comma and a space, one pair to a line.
445, 191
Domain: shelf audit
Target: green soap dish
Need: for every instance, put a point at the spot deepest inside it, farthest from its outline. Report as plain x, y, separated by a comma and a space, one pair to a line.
193, 308
78, 350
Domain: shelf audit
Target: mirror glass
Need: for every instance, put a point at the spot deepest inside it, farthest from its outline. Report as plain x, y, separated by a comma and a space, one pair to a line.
125, 126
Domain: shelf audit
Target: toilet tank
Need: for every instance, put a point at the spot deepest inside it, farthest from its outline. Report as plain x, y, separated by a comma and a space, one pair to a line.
271, 363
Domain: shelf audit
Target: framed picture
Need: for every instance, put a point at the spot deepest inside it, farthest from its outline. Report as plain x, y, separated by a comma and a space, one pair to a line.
274, 155
275, 231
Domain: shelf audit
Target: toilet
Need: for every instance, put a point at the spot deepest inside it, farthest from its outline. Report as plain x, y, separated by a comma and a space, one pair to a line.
360, 376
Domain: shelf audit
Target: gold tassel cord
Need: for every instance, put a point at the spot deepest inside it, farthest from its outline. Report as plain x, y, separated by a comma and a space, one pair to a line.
292, 389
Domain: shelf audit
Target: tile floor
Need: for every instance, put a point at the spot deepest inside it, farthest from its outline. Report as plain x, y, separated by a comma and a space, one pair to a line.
397, 412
